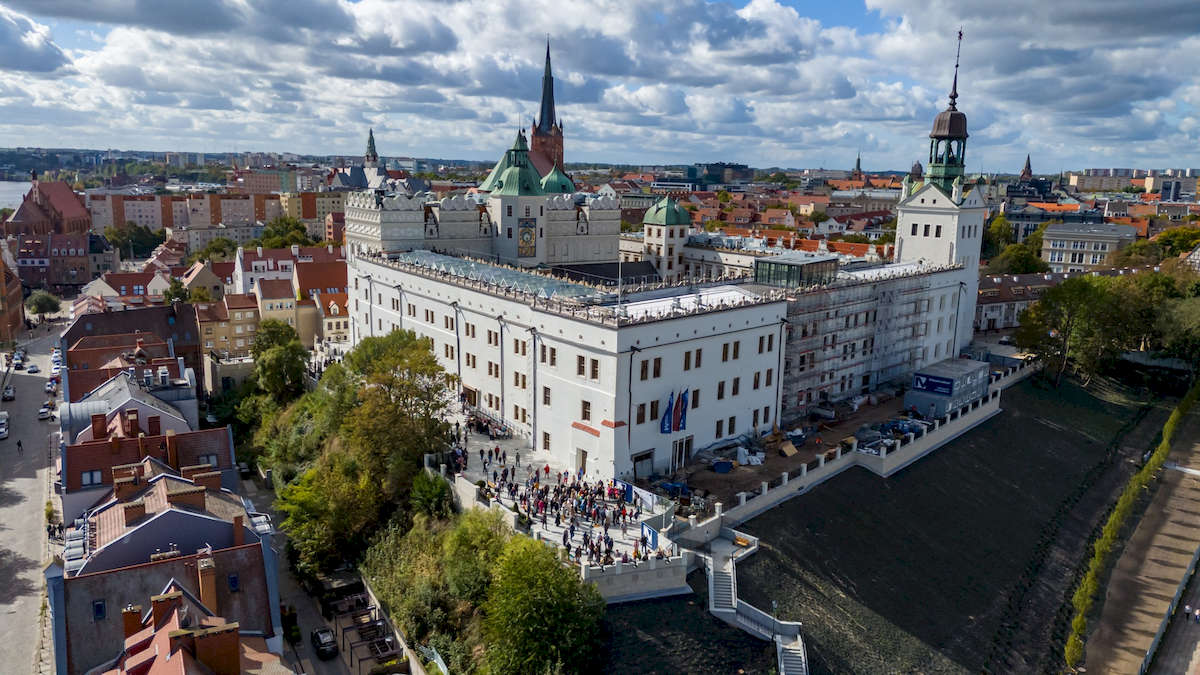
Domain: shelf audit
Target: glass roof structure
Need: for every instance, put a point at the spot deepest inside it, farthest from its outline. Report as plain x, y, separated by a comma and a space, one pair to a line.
526, 282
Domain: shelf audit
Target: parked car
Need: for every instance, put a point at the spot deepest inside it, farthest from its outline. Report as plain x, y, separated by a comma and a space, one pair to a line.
33, 368
51, 388
44, 413
3, 430
244, 469
10, 394
55, 369
324, 643
18, 365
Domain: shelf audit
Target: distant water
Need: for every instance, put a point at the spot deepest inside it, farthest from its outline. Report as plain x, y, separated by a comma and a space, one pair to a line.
12, 192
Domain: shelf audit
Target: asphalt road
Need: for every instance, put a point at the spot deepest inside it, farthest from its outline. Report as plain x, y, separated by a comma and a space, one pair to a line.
23, 494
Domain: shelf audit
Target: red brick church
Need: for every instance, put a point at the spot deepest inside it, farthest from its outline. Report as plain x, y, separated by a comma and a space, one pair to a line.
49, 208
546, 139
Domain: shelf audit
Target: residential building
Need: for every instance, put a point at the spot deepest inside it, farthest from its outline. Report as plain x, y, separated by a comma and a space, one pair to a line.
253, 265
180, 634
147, 285
335, 228
201, 275
57, 262
196, 237
12, 302
1095, 183
1070, 247
334, 324
174, 323
228, 326
154, 527
50, 207
102, 257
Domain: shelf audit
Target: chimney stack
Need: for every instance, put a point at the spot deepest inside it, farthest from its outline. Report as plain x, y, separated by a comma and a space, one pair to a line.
209, 480
99, 427
172, 449
206, 571
161, 606
239, 531
124, 488
219, 648
131, 619
191, 497
134, 511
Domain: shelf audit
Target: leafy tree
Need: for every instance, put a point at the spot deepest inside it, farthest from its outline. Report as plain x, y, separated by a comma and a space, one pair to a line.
430, 495
219, 249
713, 225
175, 291
283, 232
1056, 326
1018, 259
1178, 240
272, 333
280, 370
999, 235
1138, 254
540, 616
818, 217
5, 213
131, 236
200, 294
470, 552
42, 302
1179, 323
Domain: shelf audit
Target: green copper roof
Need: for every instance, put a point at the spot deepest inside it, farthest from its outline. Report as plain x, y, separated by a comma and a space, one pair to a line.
557, 182
517, 178
667, 212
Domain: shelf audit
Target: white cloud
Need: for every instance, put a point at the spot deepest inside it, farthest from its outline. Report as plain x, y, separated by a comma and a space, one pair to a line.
655, 81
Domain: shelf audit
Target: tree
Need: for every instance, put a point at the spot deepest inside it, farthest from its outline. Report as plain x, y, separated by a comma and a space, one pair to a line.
131, 236
218, 249
1018, 259
1055, 327
470, 552
999, 236
282, 233
430, 495
724, 196
280, 370
818, 217
175, 291
1179, 323
42, 303
540, 616
5, 213
1138, 254
199, 294
1178, 240
272, 333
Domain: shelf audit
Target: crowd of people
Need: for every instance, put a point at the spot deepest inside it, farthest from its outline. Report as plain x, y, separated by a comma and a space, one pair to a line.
585, 510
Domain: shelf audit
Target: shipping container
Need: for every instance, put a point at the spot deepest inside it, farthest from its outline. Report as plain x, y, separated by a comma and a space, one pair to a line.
946, 385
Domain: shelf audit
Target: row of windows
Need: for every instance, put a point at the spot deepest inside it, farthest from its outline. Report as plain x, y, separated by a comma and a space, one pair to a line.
729, 427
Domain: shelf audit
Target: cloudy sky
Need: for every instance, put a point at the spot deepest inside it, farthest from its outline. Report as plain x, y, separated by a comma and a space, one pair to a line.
766, 82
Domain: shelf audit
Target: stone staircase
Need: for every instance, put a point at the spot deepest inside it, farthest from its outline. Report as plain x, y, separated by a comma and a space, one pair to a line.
724, 604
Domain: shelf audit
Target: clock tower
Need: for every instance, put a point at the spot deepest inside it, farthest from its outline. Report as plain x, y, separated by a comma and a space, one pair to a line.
517, 208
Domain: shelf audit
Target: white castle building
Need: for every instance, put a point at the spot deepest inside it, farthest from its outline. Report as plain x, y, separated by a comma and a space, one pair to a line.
596, 374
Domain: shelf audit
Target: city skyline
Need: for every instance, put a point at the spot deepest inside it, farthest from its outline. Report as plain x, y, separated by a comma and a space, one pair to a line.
766, 83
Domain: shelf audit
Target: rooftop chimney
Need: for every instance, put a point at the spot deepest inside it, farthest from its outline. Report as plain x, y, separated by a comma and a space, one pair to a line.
161, 606
172, 449
239, 531
134, 511
124, 488
191, 497
219, 648
210, 480
206, 571
131, 619
99, 427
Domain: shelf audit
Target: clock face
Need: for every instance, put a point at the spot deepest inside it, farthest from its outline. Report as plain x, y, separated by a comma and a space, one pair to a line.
526, 236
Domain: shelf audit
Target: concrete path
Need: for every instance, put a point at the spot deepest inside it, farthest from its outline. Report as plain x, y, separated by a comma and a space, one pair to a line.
1150, 569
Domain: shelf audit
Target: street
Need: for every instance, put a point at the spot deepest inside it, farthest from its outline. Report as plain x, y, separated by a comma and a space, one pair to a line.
23, 494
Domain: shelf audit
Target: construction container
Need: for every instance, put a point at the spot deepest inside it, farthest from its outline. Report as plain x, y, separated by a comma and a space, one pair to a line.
946, 385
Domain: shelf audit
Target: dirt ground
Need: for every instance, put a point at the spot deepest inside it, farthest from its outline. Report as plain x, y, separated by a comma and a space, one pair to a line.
679, 635
724, 487
961, 562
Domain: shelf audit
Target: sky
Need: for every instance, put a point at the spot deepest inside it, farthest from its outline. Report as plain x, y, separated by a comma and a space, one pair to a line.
790, 83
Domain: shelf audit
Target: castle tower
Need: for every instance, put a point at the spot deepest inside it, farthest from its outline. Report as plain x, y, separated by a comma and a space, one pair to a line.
370, 158
546, 136
941, 221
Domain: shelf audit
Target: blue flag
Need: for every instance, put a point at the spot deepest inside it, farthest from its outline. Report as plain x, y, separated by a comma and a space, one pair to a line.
664, 425
683, 406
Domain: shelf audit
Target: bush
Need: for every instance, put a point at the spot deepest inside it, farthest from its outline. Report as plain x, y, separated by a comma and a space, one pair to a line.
51, 515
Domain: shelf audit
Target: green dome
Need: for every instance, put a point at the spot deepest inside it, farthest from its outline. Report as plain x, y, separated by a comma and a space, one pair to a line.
557, 182
667, 212
513, 175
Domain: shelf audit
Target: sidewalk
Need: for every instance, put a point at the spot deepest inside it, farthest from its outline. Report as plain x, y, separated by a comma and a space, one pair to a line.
518, 450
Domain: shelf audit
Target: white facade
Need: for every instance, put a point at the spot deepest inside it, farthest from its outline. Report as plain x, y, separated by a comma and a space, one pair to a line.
565, 229
589, 385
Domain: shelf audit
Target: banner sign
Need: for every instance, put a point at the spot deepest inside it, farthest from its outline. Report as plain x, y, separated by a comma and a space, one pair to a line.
664, 425
933, 384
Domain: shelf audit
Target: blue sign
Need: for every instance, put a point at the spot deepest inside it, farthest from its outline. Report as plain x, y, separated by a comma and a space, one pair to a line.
664, 425
651, 536
933, 384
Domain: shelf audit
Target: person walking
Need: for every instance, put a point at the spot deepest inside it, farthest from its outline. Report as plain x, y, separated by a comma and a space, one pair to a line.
20, 448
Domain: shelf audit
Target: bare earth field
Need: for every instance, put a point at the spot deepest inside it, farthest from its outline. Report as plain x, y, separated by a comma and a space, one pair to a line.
959, 563
679, 635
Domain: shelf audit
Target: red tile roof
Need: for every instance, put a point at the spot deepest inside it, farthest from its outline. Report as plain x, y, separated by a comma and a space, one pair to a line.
321, 277
275, 289
103, 455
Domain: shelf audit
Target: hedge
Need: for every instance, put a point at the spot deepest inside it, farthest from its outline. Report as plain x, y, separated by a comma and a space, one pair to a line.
1089, 586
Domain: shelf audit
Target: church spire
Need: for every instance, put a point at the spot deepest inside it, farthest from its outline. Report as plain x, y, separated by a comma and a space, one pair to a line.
954, 87
1027, 172
546, 120
371, 157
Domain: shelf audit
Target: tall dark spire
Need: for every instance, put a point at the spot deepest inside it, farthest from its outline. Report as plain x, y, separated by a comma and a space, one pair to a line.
371, 155
546, 120
954, 87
